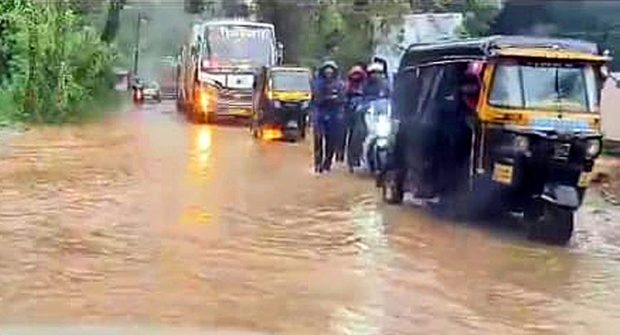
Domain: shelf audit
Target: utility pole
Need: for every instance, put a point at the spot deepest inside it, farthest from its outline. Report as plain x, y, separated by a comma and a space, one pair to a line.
136, 55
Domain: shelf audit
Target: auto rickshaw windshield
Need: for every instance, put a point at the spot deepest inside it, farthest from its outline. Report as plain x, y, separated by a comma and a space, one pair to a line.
545, 86
291, 81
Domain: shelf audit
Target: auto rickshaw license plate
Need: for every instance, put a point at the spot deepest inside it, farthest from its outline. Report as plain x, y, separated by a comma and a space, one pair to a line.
502, 173
584, 179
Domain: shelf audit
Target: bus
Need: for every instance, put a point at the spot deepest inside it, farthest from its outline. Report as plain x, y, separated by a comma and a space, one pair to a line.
221, 60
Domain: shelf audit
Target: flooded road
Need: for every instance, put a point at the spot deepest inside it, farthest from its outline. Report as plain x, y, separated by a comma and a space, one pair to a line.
146, 219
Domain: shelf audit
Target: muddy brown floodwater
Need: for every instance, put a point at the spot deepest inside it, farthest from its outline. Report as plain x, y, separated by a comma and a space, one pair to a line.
146, 219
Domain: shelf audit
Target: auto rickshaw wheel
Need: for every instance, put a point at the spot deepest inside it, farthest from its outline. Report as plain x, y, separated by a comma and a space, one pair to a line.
391, 188
550, 223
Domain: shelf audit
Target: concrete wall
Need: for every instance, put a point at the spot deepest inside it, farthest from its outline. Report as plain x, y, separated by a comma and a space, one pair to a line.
610, 110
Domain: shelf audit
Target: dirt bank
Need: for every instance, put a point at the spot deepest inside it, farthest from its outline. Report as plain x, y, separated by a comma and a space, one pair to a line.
607, 178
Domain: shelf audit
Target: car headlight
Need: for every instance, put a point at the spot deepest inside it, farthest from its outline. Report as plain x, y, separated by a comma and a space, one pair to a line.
383, 126
305, 104
593, 147
277, 104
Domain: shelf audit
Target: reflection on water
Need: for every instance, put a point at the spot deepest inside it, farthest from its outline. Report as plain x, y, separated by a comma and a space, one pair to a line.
152, 220
203, 146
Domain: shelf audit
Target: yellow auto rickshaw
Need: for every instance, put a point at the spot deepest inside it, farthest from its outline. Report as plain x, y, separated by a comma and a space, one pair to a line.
496, 125
281, 102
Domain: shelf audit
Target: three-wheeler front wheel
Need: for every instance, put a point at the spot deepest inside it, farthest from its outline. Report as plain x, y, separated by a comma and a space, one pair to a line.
550, 223
392, 188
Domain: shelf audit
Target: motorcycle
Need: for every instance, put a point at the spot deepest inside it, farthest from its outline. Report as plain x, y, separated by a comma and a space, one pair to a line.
371, 136
138, 94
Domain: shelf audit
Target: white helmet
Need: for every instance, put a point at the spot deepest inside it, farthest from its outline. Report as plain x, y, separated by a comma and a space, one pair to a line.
374, 67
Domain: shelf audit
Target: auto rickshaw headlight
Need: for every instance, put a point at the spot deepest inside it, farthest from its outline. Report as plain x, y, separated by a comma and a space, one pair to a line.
593, 148
521, 143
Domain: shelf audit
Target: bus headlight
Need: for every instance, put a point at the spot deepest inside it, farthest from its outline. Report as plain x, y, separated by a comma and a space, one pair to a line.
593, 148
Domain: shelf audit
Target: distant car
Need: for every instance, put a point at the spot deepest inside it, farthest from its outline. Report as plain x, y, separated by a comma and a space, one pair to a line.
152, 91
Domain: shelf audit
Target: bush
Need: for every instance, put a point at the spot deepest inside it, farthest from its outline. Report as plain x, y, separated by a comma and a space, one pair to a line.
53, 63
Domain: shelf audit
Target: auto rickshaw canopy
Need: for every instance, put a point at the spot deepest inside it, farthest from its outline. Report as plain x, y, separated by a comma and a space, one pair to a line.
503, 46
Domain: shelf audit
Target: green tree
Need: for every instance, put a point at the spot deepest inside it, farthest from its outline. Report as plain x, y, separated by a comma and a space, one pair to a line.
343, 30
55, 63
595, 21
194, 6
113, 20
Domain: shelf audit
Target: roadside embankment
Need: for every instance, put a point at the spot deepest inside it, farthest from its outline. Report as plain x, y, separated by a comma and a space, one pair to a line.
607, 178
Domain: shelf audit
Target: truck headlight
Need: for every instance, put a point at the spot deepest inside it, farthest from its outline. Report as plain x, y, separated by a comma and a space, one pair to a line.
593, 147
383, 126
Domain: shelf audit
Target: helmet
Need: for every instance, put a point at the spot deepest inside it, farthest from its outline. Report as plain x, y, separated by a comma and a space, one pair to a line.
329, 63
375, 67
356, 70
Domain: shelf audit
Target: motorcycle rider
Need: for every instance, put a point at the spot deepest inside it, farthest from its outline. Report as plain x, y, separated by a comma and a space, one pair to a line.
376, 85
355, 91
328, 96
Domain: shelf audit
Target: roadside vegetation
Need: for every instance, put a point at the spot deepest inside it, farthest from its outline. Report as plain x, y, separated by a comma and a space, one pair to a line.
54, 65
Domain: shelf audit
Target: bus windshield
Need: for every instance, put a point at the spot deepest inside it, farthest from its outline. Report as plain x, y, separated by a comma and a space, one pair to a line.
240, 44
291, 81
562, 87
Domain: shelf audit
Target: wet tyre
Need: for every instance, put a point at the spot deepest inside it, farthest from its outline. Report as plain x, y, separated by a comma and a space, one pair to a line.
392, 188
196, 117
552, 224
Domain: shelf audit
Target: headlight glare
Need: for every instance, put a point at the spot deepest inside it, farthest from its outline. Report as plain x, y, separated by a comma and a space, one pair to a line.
383, 126
593, 148
521, 143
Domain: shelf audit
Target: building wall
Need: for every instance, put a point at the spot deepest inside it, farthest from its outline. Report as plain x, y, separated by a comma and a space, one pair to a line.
610, 111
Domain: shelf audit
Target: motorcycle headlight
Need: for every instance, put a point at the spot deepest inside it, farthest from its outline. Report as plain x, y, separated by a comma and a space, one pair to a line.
277, 104
384, 126
382, 142
593, 148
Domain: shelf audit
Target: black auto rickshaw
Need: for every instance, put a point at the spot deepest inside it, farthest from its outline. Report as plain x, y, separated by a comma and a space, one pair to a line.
281, 101
499, 124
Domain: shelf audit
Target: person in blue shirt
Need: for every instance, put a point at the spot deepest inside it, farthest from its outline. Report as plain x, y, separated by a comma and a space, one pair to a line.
376, 86
328, 114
